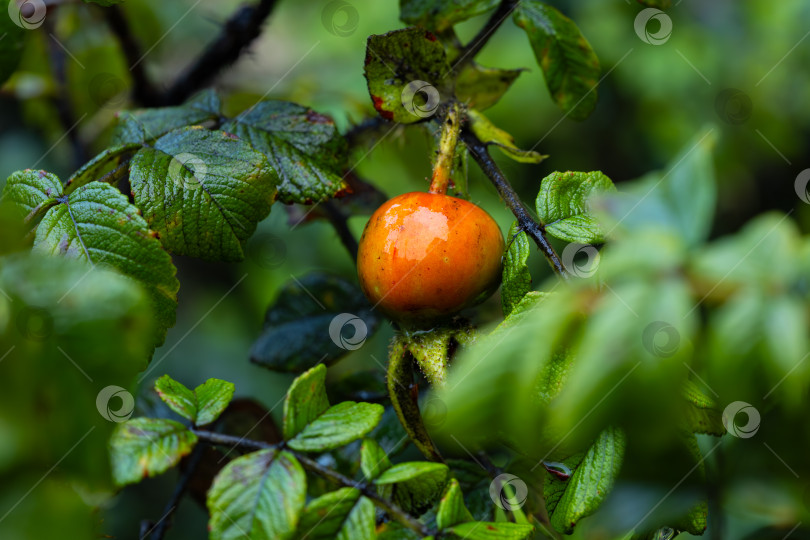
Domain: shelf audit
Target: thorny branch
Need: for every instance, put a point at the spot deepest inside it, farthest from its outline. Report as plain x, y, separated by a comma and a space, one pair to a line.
239, 31
478, 150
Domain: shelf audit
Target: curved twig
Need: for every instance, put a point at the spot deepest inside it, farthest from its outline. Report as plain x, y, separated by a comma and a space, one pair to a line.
64, 106
478, 150
477, 43
143, 91
357, 133
239, 31
179, 490
389, 507
339, 221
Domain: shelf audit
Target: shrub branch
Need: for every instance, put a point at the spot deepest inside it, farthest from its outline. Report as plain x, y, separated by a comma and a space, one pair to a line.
179, 490
477, 43
238, 32
389, 507
339, 221
143, 91
480, 153
64, 106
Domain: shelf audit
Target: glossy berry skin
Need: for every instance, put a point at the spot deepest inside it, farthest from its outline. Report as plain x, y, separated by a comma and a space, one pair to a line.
425, 256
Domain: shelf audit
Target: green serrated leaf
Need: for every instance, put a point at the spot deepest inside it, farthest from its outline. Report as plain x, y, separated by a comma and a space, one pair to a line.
259, 496
554, 488
489, 133
695, 396
452, 510
306, 400
440, 15
702, 414
341, 515
97, 224
303, 146
32, 192
563, 208
406, 74
144, 447
213, 397
203, 191
517, 280
318, 318
203, 405
92, 170
474, 482
530, 301
177, 396
413, 470
553, 376
373, 459
594, 473
11, 46
481, 530
481, 87
144, 125
417, 484
696, 520
337, 426
569, 64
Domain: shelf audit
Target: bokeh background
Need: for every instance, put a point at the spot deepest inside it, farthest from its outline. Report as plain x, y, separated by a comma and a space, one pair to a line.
741, 65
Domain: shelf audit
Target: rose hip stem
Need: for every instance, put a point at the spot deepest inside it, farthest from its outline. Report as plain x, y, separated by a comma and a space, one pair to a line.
447, 150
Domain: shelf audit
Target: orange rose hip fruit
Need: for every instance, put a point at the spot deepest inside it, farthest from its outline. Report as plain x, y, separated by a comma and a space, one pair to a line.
425, 256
